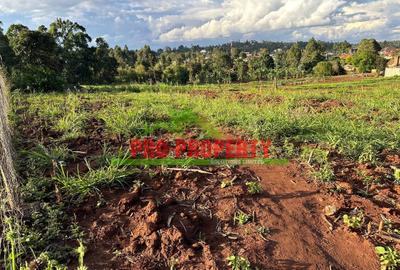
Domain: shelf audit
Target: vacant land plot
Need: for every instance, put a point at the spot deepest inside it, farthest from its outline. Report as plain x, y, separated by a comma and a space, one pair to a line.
329, 208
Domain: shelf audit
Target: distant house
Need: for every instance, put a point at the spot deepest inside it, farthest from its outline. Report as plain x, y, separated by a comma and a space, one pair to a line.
393, 67
345, 56
389, 52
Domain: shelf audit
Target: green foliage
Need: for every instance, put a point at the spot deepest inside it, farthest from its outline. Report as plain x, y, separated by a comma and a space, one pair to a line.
254, 187
311, 55
389, 258
241, 218
226, 183
83, 185
365, 59
238, 263
81, 255
293, 56
354, 221
323, 68
396, 175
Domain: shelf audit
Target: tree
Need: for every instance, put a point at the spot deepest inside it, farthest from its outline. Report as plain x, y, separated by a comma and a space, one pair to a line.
76, 55
342, 47
105, 68
293, 56
311, 55
38, 66
280, 59
365, 59
6, 54
221, 64
146, 57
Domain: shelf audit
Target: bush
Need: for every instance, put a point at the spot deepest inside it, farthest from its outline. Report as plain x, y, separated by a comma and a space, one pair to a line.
323, 69
35, 77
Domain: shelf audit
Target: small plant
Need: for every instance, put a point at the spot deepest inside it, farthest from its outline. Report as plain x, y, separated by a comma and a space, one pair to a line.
238, 263
226, 183
389, 258
324, 173
396, 175
172, 263
263, 231
354, 221
254, 187
81, 253
241, 218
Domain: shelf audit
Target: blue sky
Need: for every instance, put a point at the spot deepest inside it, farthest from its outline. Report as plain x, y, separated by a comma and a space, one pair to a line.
187, 22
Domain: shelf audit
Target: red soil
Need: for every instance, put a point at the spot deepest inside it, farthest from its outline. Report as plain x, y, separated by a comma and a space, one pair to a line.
187, 218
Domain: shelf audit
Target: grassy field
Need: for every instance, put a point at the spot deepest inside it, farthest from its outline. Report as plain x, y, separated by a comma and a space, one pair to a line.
338, 132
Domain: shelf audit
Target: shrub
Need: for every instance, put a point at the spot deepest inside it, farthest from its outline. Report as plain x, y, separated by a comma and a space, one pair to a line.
323, 69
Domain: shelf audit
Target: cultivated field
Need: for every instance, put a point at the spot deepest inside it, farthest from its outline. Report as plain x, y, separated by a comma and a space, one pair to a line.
329, 208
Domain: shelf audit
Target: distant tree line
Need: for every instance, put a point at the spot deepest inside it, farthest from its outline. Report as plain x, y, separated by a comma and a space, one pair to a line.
61, 56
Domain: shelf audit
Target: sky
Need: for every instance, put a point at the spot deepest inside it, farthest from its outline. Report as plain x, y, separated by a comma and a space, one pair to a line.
204, 22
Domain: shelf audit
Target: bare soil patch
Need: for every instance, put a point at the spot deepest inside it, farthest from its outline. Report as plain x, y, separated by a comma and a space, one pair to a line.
186, 218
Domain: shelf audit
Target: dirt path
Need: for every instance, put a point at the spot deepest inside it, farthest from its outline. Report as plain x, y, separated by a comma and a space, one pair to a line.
185, 220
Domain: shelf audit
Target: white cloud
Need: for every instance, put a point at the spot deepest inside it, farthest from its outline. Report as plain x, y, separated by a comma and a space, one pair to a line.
332, 19
175, 21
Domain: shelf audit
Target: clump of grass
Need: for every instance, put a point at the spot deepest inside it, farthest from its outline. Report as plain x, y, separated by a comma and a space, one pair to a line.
71, 124
83, 185
238, 263
319, 163
41, 158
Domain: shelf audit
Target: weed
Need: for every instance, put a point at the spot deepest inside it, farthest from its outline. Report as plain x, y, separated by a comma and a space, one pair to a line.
81, 254
172, 263
354, 221
11, 238
241, 218
44, 262
82, 186
254, 187
396, 175
389, 258
324, 173
238, 263
263, 231
226, 183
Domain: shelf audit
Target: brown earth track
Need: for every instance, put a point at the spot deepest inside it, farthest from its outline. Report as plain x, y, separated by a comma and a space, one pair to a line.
134, 225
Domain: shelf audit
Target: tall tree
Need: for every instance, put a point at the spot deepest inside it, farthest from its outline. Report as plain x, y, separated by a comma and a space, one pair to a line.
311, 55
38, 65
366, 57
293, 56
74, 49
6, 54
105, 68
342, 47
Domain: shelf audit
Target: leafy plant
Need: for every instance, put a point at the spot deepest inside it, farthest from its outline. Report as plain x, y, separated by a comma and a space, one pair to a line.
238, 263
226, 183
396, 175
389, 258
241, 218
254, 187
354, 221
81, 255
